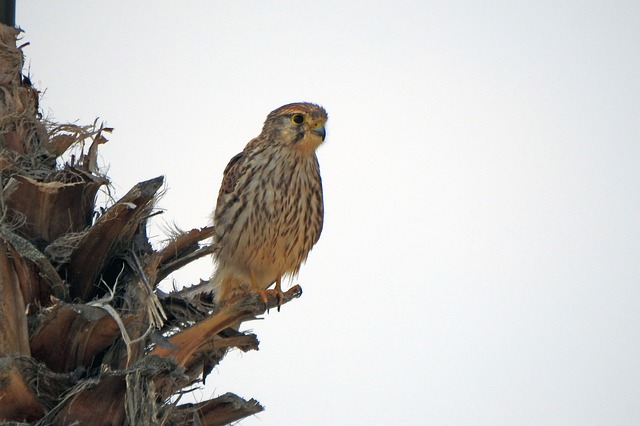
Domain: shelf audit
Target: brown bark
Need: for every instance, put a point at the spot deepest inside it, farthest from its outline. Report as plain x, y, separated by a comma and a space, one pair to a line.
19, 402
79, 333
222, 410
112, 233
49, 210
14, 339
96, 406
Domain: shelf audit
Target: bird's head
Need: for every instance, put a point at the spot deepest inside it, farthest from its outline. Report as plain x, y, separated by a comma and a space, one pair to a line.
299, 126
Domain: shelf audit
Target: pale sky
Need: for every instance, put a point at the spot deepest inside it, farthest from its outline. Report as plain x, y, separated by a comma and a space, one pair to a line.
480, 260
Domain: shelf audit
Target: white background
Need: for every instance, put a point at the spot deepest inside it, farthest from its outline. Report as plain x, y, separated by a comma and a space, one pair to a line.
480, 260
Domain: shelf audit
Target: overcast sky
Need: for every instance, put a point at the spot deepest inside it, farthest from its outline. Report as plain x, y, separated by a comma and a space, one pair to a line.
480, 261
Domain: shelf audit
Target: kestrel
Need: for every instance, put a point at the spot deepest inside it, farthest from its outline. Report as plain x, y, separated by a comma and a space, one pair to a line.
270, 211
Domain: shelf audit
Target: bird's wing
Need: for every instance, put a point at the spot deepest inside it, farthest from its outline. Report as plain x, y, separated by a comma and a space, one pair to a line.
231, 174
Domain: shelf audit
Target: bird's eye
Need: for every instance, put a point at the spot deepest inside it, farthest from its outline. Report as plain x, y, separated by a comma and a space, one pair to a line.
298, 119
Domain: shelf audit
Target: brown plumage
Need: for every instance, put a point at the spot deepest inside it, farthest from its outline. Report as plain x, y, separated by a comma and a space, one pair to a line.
269, 212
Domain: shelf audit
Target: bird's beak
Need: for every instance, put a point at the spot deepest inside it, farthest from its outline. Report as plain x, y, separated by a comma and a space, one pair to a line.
320, 131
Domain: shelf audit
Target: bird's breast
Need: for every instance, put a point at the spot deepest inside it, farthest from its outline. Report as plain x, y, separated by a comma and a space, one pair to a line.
279, 214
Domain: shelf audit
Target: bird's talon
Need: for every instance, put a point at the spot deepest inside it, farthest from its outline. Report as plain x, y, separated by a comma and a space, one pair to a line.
264, 298
280, 297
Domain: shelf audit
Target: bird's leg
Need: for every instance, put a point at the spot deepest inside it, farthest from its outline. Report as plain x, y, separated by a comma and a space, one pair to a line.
278, 292
257, 289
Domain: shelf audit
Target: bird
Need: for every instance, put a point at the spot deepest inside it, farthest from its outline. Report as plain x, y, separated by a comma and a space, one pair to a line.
269, 211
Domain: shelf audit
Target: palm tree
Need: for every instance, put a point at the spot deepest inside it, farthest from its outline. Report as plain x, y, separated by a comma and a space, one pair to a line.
85, 335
